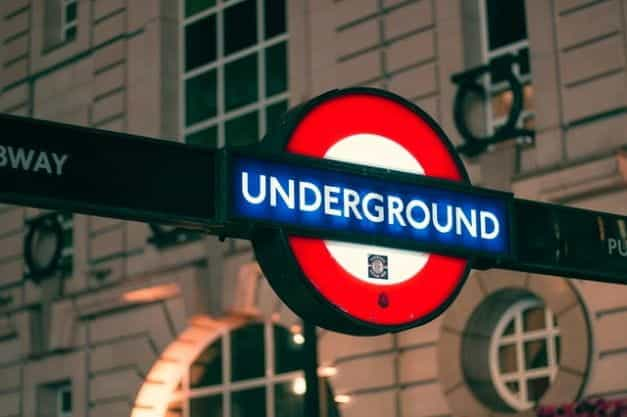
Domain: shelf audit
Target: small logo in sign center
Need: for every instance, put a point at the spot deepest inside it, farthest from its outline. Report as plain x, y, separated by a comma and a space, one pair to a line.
377, 266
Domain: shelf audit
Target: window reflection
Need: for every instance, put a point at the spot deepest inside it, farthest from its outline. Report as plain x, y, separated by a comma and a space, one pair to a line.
247, 353
249, 403
200, 42
206, 406
288, 355
289, 403
207, 368
240, 26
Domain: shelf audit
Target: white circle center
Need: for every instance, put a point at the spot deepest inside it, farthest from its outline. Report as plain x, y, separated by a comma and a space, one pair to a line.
381, 152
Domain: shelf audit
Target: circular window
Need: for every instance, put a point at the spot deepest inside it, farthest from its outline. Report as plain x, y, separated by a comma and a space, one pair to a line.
500, 349
510, 350
524, 353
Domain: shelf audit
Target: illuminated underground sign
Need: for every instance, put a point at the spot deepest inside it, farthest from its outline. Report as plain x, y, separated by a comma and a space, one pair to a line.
343, 203
357, 245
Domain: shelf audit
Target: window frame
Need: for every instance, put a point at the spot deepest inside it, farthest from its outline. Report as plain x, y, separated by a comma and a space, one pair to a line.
549, 334
68, 25
227, 387
492, 123
222, 115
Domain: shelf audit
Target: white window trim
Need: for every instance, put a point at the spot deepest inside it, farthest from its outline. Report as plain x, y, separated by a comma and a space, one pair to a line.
227, 387
67, 25
491, 122
549, 333
262, 103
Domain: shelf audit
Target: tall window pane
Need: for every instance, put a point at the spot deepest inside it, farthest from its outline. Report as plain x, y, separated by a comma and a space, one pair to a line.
274, 114
506, 34
288, 402
243, 130
200, 94
507, 23
247, 355
240, 26
288, 354
70, 12
274, 14
276, 69
206, 370
241, 82
200, 42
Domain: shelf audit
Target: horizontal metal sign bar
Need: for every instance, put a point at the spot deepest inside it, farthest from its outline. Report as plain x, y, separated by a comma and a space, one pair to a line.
571, 242
234, 193
53, 165
353, 203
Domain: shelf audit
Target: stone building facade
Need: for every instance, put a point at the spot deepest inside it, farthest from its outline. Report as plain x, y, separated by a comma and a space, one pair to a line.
133, 327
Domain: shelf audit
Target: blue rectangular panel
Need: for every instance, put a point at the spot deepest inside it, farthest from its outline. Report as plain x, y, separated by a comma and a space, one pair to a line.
322, 201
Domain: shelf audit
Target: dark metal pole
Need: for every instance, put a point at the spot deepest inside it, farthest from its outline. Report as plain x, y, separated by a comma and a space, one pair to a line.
312, 397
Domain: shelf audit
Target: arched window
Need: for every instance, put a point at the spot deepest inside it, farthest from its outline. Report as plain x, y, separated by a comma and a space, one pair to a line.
253, 371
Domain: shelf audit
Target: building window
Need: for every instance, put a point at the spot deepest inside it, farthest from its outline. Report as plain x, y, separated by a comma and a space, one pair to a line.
510, 350
234, 83
55, 399
524, 353
64, 401
69, 22
60, 23
254, 370
505, 32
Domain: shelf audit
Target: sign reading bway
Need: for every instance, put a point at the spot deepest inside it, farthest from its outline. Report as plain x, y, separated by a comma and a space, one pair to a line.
359, 209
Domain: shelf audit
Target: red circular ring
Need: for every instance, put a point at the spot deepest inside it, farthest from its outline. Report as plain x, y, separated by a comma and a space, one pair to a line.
426, 292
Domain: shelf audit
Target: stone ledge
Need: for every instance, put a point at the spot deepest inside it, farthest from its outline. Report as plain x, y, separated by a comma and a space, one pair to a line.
587, 177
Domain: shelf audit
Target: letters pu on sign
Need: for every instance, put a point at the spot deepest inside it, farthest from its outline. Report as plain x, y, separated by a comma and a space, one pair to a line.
617, 247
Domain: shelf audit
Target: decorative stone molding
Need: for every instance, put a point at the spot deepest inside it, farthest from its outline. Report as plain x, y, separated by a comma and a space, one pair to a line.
558, 294
580, 180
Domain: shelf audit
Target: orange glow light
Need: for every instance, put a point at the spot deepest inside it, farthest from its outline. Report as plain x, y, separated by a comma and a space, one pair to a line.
150, 294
